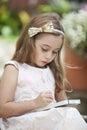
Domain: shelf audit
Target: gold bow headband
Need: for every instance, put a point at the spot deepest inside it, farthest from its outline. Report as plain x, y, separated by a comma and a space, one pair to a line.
32, 31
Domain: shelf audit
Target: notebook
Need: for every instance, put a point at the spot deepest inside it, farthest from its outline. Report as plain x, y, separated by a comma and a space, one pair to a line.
60, 104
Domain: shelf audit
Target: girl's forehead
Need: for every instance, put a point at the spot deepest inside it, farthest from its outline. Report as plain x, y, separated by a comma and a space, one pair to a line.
50, 40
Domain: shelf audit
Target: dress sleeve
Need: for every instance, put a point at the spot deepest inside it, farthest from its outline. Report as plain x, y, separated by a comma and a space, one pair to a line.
14, 63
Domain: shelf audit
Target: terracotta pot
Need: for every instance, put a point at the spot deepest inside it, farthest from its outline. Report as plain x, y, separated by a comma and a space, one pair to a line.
75, 69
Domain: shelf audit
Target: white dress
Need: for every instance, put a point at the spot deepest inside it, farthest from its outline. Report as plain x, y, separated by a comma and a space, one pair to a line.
32, 81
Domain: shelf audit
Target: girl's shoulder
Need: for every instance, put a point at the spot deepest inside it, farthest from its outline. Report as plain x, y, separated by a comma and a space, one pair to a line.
14, 63
18, 65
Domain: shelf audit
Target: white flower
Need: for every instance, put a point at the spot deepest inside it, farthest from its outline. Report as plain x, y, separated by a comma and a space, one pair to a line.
75, 26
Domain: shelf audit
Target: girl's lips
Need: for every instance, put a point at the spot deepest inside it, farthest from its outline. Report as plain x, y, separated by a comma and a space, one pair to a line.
45, 62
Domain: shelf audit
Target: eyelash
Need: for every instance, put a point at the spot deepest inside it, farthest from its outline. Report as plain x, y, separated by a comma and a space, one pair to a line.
54, 52
45, 50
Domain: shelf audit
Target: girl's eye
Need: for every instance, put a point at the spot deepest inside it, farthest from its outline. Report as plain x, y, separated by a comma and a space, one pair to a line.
54, 52
43, 49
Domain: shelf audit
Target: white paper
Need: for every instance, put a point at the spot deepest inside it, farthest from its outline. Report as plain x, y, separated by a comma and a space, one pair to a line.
60, 104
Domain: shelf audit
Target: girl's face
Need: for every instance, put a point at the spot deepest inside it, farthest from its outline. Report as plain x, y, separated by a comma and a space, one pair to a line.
46, 49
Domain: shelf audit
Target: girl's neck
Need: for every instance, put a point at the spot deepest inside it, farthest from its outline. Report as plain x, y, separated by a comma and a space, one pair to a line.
34, 65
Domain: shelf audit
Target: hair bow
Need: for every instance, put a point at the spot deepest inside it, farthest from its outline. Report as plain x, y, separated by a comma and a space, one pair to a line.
32, 31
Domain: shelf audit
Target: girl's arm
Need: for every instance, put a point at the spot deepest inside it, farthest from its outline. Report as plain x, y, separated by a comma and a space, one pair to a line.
8, 86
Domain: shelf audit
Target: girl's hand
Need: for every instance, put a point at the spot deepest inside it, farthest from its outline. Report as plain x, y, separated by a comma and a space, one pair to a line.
43, 99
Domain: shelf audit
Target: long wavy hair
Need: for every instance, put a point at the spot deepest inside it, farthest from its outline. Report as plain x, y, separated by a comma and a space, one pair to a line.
25, 46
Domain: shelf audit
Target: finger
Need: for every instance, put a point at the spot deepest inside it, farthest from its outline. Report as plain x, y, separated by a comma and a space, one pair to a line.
49, 97
49, 100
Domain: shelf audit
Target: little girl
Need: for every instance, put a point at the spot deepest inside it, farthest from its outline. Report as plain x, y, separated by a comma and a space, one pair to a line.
34, 78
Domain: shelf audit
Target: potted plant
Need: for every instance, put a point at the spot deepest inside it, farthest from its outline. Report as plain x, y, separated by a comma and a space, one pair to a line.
75, 56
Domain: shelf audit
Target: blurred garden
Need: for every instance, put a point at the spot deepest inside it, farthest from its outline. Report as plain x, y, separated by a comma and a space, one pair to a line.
14, 14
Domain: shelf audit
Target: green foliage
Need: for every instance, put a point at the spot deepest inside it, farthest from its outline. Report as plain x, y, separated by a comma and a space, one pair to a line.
56, 6
45, 8
11, 39
9, 22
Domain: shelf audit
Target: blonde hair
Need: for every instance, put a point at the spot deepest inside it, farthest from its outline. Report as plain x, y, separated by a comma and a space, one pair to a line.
26, 45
